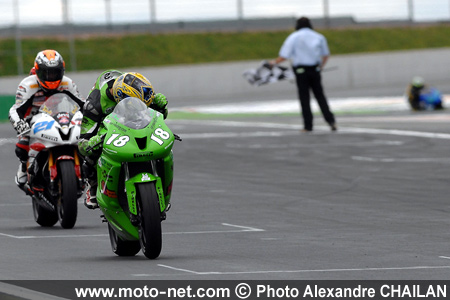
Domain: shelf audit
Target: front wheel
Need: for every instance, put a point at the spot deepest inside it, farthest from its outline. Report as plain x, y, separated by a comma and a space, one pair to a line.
150, 228
43, 216
67, 206
121, 247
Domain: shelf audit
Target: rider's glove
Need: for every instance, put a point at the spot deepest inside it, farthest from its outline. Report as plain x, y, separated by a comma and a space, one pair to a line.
21, 126
160, 104
95, 143
89, 147
160, 100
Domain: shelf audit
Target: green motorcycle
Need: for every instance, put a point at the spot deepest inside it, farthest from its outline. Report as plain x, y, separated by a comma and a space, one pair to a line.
135, 176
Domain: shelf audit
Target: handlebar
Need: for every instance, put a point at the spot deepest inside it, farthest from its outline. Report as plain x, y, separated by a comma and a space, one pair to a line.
23, 133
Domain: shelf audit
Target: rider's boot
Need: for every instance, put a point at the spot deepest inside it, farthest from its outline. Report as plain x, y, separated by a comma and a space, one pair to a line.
21, 176
91, 197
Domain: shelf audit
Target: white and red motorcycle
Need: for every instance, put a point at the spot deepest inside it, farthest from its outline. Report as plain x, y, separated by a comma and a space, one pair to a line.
55, 179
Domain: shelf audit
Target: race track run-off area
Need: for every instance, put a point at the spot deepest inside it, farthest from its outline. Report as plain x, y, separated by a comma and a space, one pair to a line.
254, 198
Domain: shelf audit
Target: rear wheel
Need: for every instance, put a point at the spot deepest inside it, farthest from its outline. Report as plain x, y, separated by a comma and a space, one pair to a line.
121, 247
67, 206
150, 215
43, 216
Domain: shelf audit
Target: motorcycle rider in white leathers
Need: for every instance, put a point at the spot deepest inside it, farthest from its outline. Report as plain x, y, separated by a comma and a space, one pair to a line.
31, 94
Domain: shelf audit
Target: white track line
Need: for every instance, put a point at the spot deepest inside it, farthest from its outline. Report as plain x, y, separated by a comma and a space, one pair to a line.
396, 132
25, 293
245, 228
404, 160
52, 236
297, 271
241, 229
348, 104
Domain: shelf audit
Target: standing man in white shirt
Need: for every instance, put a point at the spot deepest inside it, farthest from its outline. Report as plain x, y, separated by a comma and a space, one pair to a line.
308, 52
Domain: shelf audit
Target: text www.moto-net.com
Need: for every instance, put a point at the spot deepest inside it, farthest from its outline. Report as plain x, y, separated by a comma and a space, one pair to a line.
145, 292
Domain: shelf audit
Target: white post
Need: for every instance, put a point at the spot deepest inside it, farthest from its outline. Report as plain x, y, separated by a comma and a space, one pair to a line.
326, 13
70, 37
152, 11
108, 12
240, 14
18, 38
411, 10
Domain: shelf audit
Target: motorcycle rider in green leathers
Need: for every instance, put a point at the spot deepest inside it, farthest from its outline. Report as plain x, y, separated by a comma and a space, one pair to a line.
101, 102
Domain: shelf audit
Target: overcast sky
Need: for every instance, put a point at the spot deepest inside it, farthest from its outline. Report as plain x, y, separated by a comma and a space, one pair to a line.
35, 12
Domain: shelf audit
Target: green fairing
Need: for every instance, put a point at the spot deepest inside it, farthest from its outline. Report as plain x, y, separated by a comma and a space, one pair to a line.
123, 145
131, 151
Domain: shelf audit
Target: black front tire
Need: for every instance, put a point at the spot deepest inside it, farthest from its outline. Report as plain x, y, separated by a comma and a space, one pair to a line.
121, 247
43, 216
67, 206
150, 215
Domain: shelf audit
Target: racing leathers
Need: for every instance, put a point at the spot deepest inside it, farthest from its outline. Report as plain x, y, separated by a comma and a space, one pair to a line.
29, 98
100, 103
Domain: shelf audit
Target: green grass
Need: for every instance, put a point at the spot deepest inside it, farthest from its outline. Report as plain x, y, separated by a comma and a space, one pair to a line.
97, 53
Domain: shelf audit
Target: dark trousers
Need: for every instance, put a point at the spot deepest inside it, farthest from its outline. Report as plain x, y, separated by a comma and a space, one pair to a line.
308, 78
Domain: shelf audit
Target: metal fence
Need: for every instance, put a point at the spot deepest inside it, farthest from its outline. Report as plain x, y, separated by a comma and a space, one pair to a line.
38, 12
17, 16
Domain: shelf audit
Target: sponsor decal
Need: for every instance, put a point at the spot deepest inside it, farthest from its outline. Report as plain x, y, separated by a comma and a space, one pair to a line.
119, 127
60, 115
133, 203
107, 192
46, 110
51, 63
107, 75
21, 89
143, 154
145, 177
51, 138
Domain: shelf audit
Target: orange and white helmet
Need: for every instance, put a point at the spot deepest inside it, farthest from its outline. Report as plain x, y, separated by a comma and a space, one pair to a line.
49, 66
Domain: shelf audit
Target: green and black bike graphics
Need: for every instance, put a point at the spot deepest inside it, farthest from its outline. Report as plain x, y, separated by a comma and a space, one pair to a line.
135, 175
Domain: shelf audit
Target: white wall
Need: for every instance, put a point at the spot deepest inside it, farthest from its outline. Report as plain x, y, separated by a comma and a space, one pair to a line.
224, 80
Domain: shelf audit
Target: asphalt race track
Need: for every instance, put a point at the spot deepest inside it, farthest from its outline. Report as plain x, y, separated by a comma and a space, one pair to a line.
256, 199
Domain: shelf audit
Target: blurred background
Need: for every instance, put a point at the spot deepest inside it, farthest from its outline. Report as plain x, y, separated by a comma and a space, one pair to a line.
370, 202
204, 46
57, 12
66, 19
